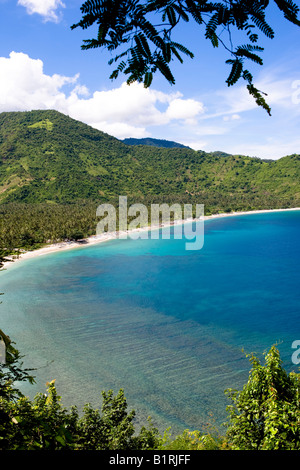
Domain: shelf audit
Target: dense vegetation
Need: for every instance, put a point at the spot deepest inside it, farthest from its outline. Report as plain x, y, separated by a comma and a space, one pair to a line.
47, 157
154, 142
55, 171
264, 415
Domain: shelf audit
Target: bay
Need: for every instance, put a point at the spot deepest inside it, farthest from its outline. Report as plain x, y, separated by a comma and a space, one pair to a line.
166, 324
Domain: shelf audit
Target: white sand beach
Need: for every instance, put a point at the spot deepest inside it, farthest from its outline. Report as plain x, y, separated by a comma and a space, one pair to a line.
96, 239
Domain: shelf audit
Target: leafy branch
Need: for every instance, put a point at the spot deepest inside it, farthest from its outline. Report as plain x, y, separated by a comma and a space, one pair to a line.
147, 47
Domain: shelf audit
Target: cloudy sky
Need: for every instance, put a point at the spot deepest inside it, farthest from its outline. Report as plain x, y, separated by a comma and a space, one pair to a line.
43, 67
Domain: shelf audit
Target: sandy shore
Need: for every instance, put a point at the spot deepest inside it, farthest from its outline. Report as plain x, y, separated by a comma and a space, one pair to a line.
96, 239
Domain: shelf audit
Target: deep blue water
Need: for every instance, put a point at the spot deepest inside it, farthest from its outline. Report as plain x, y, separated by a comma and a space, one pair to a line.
166, 324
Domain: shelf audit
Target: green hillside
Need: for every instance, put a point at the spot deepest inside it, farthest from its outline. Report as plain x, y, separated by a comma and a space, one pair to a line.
55, 171
154, 142
46, 156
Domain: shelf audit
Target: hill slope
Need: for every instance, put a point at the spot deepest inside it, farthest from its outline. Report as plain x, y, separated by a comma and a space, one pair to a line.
46, 156
154, 142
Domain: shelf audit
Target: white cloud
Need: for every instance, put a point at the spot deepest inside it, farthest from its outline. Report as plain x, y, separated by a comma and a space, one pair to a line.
236, 124
187, 110
126, 111
121, 129
131, 103
196, 144
24, 86
232, 117
270, 148
46, 8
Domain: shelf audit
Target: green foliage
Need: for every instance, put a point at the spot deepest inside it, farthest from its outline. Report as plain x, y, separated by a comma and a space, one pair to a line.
265, 415
147, 47
153, 142
31, 226
46, 124
113, 429
194, 440
41, 424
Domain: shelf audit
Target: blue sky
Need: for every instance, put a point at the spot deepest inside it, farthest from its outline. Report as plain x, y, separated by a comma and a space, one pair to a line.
43, 67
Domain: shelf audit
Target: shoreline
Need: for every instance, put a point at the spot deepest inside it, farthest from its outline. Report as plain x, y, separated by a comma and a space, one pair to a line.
108, 236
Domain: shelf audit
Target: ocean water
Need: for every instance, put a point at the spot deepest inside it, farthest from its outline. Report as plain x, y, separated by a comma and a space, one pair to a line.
169, 326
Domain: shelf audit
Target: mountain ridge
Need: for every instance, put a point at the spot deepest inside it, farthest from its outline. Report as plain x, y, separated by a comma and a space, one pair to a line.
46, 156
154, 142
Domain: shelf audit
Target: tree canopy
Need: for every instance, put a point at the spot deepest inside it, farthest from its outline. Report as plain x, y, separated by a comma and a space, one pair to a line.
265, 414
141, 34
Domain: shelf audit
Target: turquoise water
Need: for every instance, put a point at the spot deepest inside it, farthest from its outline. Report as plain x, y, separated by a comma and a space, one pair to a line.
166, 324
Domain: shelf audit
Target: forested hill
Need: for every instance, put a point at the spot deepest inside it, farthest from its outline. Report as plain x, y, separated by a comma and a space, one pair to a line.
46, 156
154, 142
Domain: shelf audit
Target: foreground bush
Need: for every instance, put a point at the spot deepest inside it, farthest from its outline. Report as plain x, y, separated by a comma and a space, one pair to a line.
265, 415
194, 440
